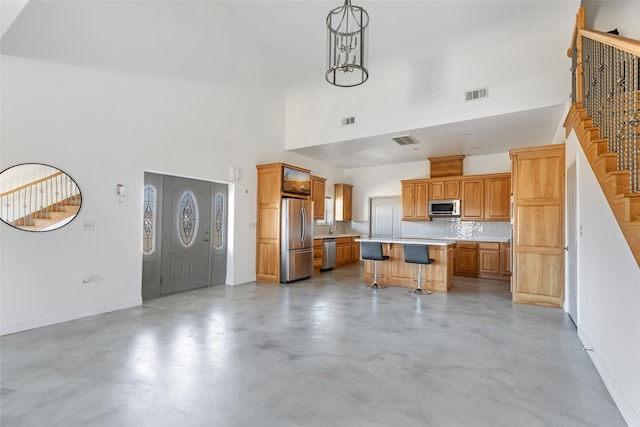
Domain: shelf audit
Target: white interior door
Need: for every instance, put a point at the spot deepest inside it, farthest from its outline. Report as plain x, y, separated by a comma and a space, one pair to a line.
572, 244
385, 216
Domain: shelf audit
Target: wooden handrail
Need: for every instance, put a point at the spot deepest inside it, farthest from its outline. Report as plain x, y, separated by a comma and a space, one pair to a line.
621, 43
579, 25
32, 183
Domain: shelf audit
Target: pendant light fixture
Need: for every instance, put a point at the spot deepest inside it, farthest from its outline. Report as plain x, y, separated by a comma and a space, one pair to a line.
347, 42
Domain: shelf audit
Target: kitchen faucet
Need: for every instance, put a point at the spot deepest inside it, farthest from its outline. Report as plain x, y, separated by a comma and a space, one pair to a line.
332, 227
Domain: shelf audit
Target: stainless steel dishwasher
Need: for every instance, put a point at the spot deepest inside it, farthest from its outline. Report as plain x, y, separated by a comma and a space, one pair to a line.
328, 254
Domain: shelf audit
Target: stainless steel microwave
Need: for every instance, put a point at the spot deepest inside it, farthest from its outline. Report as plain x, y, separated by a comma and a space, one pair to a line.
444, 208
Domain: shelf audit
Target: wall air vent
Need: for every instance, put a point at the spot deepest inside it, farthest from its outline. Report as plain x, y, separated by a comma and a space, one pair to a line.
405, 140
475, 94
348, 121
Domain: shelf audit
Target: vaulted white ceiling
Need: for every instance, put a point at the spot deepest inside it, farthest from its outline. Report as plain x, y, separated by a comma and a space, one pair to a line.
183, 39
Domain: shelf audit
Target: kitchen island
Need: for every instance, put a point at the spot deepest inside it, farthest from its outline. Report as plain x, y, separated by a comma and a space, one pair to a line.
436, 277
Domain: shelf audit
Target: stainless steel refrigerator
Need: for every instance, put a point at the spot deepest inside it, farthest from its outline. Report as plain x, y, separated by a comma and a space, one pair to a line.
296, 259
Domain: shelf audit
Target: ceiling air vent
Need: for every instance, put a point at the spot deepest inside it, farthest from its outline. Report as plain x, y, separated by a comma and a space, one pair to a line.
348, 121
475, 94
405, 140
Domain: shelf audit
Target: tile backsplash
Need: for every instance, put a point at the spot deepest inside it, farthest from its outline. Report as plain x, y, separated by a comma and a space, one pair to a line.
455, 228
452, 228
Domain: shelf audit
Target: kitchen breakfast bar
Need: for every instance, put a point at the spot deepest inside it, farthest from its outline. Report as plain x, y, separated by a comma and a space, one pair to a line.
437, 276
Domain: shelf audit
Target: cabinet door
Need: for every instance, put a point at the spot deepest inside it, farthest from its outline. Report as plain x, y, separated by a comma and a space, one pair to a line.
317, 195
505, 259
342, 207
348, 200
355, 249
421, 207
497, 199
466, 258
451, 190
472, 199
489, 258
408, 201
437, 190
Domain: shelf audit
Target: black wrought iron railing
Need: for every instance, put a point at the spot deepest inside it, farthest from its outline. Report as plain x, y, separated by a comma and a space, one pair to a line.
606, 81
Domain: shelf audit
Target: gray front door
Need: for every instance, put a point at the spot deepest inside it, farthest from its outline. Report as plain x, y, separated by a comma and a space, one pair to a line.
186, 243
184, 234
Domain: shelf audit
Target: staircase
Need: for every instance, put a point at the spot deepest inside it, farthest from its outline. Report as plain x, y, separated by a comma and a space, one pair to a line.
50, 215
614, 183
605, 116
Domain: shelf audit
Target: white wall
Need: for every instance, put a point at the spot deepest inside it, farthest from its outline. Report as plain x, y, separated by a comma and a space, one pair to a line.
608, 291
429, 89
606, 15
106, 125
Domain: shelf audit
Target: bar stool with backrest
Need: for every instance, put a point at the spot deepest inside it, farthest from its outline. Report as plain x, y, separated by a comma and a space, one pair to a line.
418, 254
373, 251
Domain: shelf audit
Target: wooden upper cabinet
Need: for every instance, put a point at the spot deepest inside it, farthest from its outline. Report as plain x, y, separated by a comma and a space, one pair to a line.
497, 198
444, 189
317, 195
472, 199
408, 200
415, 200
483, 197
343, 202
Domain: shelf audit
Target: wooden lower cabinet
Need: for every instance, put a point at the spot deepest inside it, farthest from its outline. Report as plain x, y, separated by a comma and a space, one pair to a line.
466, 259
343, 251
355, 250
317, 254
486, 260
505, 258
489, 260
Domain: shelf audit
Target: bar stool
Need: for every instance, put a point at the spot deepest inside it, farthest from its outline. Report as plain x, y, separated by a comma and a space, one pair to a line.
418, 254
373, 251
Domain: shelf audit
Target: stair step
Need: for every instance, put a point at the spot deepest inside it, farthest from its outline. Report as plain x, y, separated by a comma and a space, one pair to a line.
597, 148
607, 162
614, 183
628, 206
631, 231
592, 132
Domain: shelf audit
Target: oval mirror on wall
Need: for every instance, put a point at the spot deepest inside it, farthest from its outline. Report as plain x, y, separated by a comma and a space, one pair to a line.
38, 197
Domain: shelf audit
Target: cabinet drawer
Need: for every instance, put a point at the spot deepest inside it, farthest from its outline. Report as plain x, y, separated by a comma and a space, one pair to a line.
343, 241
467, 245
489, 245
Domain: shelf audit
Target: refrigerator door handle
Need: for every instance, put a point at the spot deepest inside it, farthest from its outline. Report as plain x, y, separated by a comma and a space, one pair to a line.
303, 213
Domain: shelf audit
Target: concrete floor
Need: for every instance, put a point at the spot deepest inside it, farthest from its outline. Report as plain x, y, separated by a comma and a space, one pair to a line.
321, 352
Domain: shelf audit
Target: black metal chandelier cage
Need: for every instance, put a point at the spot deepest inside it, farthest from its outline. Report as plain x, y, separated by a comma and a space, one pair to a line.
347, 42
